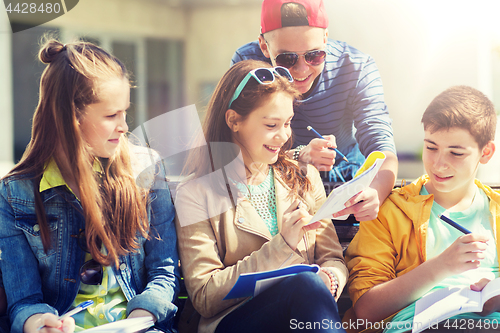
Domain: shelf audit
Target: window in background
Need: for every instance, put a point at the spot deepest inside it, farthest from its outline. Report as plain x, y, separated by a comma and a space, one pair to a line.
165, 83
26, 71
126, 52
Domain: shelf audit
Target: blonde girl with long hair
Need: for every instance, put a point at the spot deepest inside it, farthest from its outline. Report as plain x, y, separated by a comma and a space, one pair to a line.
76, 221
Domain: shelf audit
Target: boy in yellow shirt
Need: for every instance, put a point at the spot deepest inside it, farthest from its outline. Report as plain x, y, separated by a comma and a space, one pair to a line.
408, 251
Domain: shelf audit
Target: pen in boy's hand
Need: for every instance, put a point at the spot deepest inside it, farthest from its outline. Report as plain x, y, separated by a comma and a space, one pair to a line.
454, 224
78, 308
309, 128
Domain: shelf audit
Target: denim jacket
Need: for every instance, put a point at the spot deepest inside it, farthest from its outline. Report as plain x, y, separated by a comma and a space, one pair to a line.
39, 282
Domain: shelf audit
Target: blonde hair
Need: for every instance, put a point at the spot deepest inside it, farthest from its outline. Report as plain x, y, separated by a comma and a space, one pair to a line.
114, 208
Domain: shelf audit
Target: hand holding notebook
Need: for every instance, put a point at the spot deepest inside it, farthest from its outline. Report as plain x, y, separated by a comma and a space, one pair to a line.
339, 196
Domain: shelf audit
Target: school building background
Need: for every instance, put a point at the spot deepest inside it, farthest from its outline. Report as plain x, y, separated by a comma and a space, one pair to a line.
177, 51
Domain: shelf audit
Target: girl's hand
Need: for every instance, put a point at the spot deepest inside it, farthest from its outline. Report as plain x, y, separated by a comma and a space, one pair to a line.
50, 323
364, 205
491, 305
318, 154
294, 224
464, 254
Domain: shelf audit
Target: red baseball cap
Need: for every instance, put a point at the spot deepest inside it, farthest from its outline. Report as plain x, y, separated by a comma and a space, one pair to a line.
272, 18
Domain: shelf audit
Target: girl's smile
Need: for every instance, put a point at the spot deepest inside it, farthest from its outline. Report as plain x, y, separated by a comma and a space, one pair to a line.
264, 131
273, 149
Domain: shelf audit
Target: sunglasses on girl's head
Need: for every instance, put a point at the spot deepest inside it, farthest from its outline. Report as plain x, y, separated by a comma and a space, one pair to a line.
263, 76
289, 59
91, 271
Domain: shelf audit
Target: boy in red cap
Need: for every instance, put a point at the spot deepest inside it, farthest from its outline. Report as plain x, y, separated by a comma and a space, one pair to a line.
342, 95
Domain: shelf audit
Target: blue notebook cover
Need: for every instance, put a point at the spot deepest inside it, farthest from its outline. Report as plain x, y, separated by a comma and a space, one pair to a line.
245, 285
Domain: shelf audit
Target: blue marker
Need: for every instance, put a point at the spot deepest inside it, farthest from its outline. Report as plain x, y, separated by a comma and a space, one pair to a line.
309, 128
78, 308
454, 224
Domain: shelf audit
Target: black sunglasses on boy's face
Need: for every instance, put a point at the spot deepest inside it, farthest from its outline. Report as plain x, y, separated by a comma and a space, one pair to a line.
289, 59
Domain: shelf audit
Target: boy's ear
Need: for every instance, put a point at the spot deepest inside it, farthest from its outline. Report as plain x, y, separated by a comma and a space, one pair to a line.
264, 47
487, 152
232, 120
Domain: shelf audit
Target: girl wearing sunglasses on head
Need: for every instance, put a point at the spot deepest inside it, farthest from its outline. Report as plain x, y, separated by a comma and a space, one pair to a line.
342, 98
231, 222
84, 215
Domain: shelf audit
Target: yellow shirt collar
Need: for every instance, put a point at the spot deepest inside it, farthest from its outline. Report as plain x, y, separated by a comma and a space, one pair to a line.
52, 176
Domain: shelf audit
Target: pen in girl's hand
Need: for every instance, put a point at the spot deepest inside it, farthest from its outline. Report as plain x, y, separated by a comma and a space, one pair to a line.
309, 128
454, 224
78, 308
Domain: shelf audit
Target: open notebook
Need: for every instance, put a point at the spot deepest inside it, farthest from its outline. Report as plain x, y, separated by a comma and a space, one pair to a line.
129, 325
252, 284
340, 195
445, 303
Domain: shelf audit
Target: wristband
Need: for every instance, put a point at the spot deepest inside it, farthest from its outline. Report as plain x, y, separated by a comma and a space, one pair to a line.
296, 152
333, 281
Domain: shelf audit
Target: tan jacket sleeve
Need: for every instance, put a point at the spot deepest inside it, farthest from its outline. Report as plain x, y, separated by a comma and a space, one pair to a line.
328, 251
207, 279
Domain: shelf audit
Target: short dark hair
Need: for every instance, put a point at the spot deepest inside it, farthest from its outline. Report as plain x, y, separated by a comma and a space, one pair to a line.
462, 107
293, 14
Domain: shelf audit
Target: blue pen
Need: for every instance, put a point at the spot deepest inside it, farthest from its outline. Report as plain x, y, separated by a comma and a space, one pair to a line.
78, 308
454, 224
309, 128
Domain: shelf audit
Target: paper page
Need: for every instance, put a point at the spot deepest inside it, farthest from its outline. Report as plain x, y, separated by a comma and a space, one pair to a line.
340, 195
444, 303
129, 325
490, 290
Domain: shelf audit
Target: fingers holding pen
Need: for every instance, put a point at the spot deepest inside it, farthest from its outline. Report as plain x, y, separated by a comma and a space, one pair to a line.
464, 254
319, 154
293, 227
50, 323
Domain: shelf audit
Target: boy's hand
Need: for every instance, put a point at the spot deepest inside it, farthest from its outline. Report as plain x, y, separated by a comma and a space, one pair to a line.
364, 205
464, 254
491, 305
294, 224
318, 154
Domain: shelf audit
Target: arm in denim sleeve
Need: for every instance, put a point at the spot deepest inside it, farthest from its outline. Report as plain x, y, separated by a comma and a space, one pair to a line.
19, 266
371, 117
161, 259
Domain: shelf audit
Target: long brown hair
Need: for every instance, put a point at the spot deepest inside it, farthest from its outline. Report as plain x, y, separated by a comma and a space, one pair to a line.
114, 208
202, 161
